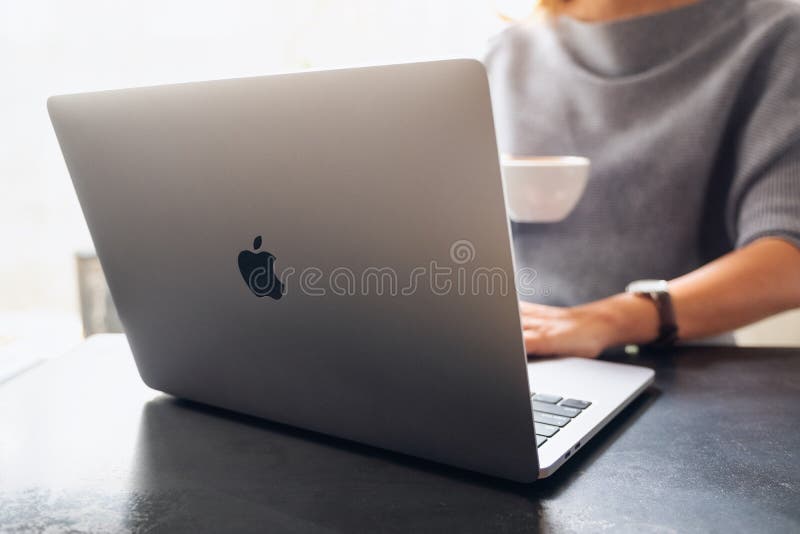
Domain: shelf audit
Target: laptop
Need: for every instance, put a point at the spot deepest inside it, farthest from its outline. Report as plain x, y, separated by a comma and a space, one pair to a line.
330, 250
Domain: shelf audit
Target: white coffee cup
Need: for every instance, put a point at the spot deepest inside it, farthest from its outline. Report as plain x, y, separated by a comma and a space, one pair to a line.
543, 189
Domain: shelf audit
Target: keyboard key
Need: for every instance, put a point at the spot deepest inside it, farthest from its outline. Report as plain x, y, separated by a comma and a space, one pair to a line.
540, 440
575, 403
545, 430
550, 419
554, 409
544, 397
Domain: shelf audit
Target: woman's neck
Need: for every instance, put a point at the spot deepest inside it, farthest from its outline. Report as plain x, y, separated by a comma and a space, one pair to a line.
608, 10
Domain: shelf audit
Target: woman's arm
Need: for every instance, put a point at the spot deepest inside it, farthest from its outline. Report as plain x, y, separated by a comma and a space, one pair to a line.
754, 282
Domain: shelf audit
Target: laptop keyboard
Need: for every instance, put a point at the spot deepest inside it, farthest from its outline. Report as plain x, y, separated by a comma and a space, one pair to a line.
551, 412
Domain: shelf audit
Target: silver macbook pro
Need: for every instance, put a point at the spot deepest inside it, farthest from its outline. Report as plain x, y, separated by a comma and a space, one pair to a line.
331, 250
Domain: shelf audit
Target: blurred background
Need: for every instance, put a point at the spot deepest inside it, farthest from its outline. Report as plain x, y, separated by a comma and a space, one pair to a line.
49, 47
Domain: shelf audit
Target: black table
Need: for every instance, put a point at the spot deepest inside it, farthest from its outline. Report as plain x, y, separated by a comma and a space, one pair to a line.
86, 447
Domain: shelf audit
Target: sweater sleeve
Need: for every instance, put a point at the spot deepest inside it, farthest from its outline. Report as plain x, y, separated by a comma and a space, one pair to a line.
771, 205
764, 198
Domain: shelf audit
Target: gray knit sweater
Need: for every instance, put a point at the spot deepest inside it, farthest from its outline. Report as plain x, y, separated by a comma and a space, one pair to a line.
691, 118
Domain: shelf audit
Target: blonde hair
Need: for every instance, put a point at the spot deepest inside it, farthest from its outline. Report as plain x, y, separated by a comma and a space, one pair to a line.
550, 6
540, 7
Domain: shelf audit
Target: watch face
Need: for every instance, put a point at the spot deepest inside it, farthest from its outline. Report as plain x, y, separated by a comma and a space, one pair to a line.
648, 286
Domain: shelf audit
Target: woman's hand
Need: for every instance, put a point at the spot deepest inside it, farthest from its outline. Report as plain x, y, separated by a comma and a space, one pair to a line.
588, 329
739, 288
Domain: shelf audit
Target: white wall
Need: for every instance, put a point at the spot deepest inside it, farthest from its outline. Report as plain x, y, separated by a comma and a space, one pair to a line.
780, 331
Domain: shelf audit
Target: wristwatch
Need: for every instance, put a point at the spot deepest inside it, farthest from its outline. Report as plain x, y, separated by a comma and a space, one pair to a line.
658, 292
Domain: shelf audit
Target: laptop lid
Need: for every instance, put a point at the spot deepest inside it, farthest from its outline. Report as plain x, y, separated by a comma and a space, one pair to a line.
373, 195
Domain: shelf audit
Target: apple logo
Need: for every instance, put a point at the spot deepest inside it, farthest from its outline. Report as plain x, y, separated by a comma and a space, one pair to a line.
258, 271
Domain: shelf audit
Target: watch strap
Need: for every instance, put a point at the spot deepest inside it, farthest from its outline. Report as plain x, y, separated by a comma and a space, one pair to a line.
667, 325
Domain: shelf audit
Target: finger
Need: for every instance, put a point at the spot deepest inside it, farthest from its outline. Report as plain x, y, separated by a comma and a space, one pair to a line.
531, 307
540, 310
531, 323
537, 344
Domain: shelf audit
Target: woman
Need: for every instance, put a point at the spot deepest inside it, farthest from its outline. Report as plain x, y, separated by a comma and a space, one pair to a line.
690, 113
